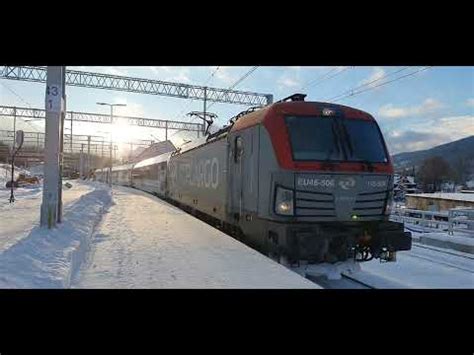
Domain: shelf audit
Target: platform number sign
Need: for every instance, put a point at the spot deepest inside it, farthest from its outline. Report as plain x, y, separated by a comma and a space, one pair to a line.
53, 98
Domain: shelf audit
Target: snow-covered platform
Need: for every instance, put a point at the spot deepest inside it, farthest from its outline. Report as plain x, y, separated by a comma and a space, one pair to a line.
19, 218
144, 242
124, 238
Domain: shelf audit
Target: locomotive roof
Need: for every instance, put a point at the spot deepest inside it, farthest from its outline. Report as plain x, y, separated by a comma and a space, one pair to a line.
280, 108
192, 144
296, 108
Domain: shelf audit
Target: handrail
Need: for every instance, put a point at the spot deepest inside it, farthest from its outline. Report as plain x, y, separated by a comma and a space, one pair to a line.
455, 219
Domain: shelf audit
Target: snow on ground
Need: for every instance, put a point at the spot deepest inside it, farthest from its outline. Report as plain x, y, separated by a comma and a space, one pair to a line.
6, 173
422, 267
49, 258
19, 218
143, 242
37, 169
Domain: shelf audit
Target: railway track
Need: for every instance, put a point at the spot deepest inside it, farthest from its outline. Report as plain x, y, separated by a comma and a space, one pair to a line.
344, 275
441, 262
345, 282
443, 251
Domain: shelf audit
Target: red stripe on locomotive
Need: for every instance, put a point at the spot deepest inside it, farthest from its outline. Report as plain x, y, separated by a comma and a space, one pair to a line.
272, 118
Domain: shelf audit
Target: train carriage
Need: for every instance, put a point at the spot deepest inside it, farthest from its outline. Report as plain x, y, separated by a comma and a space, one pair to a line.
121, 174
151, 175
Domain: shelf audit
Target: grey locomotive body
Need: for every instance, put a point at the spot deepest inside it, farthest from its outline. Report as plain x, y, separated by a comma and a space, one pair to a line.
299, 181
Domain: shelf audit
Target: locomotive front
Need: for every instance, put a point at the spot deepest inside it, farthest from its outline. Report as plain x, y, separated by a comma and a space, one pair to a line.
331, 185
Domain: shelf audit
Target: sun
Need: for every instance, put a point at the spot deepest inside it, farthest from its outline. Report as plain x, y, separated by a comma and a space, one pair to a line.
121, 131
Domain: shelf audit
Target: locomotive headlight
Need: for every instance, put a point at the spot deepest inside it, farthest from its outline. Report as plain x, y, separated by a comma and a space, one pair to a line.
328, 112
284, 201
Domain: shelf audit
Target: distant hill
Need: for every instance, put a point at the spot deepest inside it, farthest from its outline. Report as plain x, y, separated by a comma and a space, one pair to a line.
453, 151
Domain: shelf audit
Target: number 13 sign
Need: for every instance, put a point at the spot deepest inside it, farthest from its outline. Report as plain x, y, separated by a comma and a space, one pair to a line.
53, 98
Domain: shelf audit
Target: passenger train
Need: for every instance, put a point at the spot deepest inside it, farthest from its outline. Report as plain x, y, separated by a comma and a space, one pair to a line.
299, 181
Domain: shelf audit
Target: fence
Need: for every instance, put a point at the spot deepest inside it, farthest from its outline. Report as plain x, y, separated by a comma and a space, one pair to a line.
453, 220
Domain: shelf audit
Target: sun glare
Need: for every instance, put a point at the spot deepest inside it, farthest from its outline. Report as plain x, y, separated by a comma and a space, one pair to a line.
121, 132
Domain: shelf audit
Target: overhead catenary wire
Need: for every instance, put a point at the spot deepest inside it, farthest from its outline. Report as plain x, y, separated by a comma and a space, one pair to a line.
237, 82
211, 76
23, 100
325, 77
181, 112
368, 83
190, 102
354, 93
16, 94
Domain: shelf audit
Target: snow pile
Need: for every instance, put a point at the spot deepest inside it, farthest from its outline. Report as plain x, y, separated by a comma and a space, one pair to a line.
37, 170
330, 271
6, 174
50, 258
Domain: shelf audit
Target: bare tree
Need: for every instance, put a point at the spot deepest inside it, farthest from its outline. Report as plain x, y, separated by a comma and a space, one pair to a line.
433, 172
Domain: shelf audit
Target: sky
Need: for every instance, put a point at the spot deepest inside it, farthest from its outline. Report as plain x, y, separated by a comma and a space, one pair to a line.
429, 108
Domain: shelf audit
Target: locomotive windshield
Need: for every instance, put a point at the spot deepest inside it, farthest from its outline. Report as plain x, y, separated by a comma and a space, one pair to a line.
329, 139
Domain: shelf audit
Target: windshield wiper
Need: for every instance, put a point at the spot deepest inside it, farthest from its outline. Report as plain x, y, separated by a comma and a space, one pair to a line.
335, 139
346, 139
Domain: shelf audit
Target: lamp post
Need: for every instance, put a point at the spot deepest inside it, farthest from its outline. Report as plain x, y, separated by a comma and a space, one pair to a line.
111, 122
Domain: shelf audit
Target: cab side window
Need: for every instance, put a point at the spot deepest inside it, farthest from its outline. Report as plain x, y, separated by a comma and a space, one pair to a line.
238, 148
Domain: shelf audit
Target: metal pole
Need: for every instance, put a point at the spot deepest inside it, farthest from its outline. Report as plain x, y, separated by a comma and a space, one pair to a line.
166, 130
61, 155
81, 162
55, 102
14, 128
12, 198
72, 113
112, 122
205, 107
205, 101
88, 155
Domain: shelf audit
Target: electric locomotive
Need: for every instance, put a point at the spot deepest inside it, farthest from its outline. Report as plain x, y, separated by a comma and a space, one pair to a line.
297, 180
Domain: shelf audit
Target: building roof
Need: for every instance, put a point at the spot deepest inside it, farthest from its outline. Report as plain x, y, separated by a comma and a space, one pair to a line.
453, 196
